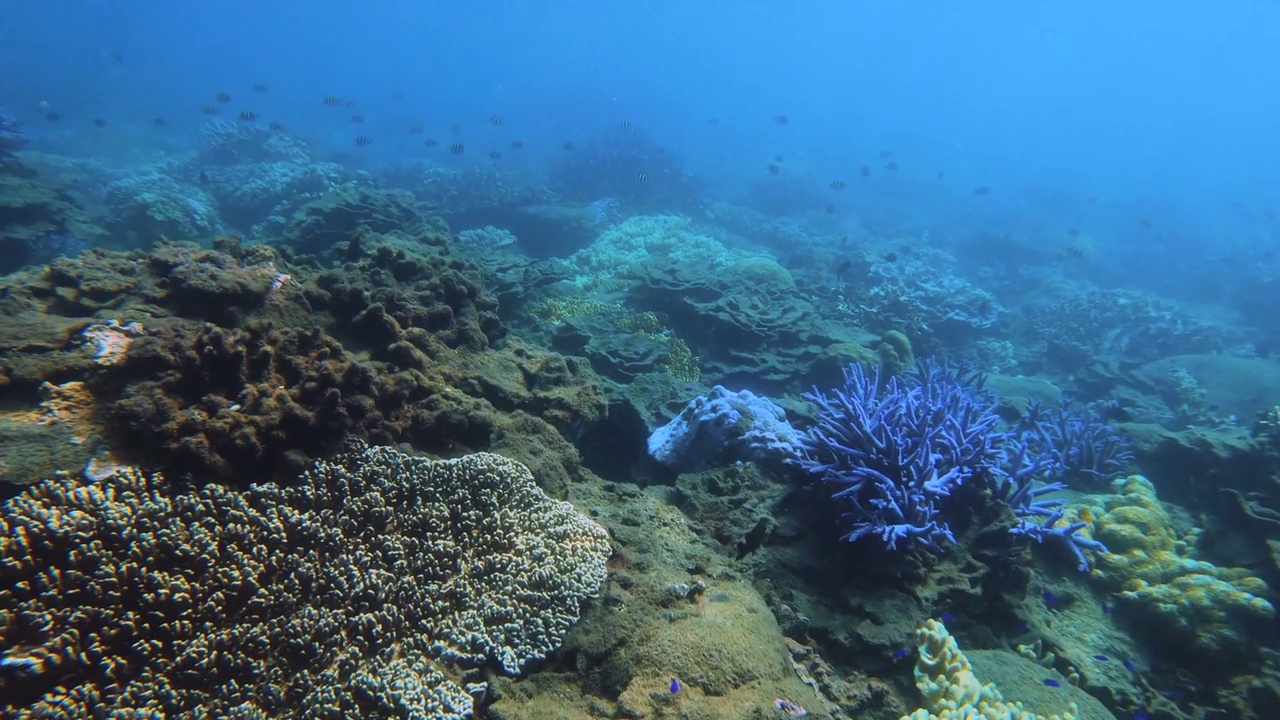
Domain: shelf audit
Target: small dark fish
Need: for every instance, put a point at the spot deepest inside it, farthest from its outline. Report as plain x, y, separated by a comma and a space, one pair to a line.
248, 115
517, 144
830, 208
781, 119
349, 103
777, 158
223, 97
1145, 221
675, 686
495, 154
1050, 682
900, 654
567, 147
893, 257
1140, 715
457, 148
688, 388
496, 119
942, 174
627, 127
398, 95
1101, 658
1049, 598
1073, 232
332, 100
275, 126
774, 169
52, 116
843, 268
1093, 200
415, 129
1129, 665
260, 87
357, 119
844, 240
1074, 251
982, 190
99, 122
117, 56
713, 122
886, 154
203, 177
209, 109
837, 184
364, 141
891, 166
159, 122
643, 177
1108, 607
864, 171
431, 142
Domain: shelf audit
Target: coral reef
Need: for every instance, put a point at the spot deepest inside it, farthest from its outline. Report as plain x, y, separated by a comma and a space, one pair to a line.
895, 450
350, 212
739, 425
1214, 614
367, 589
1140, 327
152, 205
924, 292
952, 691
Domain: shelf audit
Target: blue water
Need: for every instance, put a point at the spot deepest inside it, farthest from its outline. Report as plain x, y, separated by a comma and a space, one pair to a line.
1160, 110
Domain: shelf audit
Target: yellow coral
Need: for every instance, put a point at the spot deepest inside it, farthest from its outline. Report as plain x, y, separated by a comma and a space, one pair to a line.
1150, 565
952, 692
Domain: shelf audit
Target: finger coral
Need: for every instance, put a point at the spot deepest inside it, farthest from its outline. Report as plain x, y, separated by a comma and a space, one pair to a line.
364, 590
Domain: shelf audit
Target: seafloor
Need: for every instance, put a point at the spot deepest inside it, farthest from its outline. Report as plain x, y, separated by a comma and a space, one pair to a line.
196, 526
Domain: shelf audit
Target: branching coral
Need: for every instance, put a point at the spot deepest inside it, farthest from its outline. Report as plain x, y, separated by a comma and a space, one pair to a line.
897, 450
1136, 325
364, 590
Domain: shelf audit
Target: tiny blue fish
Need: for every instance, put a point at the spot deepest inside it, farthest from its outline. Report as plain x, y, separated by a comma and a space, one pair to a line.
1022, 629
1130, 665
1049, 598
900, 654
675, 686
947, 617
1108, 608
1101, 658
1052, 683
1143, 715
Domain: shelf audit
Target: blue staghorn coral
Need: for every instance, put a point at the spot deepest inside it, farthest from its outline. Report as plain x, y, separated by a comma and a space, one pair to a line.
896, 450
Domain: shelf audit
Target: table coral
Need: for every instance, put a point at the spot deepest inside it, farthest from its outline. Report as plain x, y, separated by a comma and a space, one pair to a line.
364, 590
1211, 609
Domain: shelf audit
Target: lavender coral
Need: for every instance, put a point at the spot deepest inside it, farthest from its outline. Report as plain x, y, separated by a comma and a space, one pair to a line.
895, 450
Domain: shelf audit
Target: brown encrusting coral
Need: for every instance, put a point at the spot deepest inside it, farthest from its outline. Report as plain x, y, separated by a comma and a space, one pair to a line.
218, 362
371, 588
